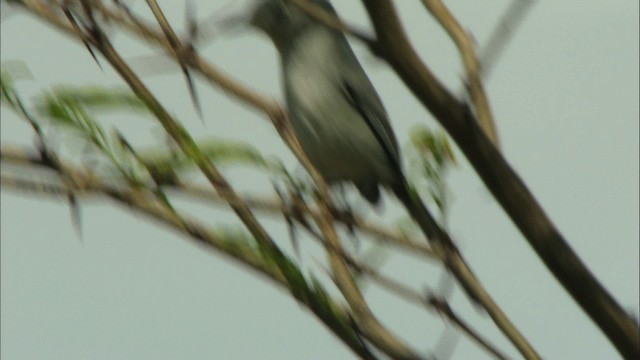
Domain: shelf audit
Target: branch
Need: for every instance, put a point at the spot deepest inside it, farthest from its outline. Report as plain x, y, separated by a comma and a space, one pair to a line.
503, 182
471, 64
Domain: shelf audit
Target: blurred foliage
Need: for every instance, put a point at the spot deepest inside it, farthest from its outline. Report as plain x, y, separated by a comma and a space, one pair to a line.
430, 157
76, 110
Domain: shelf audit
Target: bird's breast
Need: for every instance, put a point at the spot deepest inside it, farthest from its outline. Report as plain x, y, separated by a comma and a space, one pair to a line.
333, 134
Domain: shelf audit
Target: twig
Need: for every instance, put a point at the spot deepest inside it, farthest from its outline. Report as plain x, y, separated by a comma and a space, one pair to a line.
412, 296
15, 155
500, 36
465, 46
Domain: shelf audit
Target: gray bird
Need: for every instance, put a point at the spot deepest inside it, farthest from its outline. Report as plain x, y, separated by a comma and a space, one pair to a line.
334, 109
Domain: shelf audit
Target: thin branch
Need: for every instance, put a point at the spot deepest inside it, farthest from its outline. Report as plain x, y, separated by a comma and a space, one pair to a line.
17, 156
465, 46
181, 51
410, 295
512, 18
87, 183
444, 309
145, 202
274, 206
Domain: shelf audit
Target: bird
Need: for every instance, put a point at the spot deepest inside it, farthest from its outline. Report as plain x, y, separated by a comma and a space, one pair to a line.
334, 109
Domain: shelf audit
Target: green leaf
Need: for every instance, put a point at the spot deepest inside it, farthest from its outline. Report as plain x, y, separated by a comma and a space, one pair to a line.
95, 98
430, 157
8, 92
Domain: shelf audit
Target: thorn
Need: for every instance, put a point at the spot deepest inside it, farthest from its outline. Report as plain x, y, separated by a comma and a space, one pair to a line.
76, 219
192, 33
295, 244
192, 88
191, 21
86, 43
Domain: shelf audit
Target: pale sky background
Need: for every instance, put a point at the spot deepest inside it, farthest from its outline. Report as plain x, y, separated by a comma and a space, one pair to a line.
565, 97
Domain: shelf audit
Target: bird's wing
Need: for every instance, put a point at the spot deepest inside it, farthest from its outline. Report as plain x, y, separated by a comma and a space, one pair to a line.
371, 110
